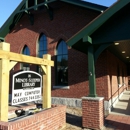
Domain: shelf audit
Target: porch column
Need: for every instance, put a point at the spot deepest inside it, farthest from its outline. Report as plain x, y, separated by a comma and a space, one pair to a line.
92, 106
91, 71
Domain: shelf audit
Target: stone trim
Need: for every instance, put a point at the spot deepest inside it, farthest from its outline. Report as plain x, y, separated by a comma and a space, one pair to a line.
61, 87
93, 98
71, 102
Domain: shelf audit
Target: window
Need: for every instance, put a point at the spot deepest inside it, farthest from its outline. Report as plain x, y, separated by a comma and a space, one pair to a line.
42, 45
42, 49
25, 51
62, 64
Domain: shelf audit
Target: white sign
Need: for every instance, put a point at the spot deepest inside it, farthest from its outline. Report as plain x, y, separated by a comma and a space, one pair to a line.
26, 87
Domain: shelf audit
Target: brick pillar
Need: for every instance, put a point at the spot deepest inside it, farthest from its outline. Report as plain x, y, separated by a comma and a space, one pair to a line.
93, 112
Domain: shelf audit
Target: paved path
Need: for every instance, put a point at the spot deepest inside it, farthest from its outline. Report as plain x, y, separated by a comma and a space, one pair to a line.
122, 107
118, 122
119, 118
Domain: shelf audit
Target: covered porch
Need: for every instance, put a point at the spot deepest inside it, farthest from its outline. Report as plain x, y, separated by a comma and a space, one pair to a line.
109, 31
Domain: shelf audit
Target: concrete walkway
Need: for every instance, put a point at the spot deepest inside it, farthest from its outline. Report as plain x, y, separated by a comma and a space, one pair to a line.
122, 107
118, 122
119, 118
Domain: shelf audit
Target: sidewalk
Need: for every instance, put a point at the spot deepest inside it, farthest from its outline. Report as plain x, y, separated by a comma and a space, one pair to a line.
122, 107
119, 118
118, 122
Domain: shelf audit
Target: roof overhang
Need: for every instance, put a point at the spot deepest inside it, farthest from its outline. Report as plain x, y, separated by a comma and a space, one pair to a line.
110, 27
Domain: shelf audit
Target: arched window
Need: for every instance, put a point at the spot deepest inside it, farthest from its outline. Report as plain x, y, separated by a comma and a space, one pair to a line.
42, 49
62, 64
42, 45
25, 51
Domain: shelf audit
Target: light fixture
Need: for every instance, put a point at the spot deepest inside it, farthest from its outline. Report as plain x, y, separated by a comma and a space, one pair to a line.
123, 51
116, 43
127, 57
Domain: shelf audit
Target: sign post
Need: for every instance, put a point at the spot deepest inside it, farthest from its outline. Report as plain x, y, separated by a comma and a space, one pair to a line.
7, 61
4, 83
46, 98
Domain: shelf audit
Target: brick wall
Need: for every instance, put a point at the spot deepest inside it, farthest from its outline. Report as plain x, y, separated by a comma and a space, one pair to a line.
63, 26
51, 119
92, 113
114, 89
77, 76
101, 75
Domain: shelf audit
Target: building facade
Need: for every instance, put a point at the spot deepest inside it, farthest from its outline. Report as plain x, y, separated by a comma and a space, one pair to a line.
48, 33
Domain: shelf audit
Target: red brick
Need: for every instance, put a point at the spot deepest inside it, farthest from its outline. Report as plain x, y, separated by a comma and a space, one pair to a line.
56, 122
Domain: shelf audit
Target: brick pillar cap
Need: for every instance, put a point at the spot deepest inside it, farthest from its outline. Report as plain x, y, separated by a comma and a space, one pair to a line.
93, 98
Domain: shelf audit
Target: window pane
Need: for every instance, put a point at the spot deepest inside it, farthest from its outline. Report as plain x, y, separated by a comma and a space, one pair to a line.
62, 48
62, 64
65, 49
42, 45
25, 51
65, 60
59, 51
42, 48
40, 54
59, 60
44, 52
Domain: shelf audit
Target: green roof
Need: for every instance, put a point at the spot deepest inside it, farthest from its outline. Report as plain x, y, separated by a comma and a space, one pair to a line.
106, 29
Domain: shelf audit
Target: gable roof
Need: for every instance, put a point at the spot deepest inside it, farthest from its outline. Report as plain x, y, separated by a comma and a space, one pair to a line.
96, 23
21, 9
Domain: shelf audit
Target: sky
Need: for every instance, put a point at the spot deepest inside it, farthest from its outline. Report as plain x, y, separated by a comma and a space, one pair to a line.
8, 6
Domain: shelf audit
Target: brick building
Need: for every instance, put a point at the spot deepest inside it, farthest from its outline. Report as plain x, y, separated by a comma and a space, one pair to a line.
60, 28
